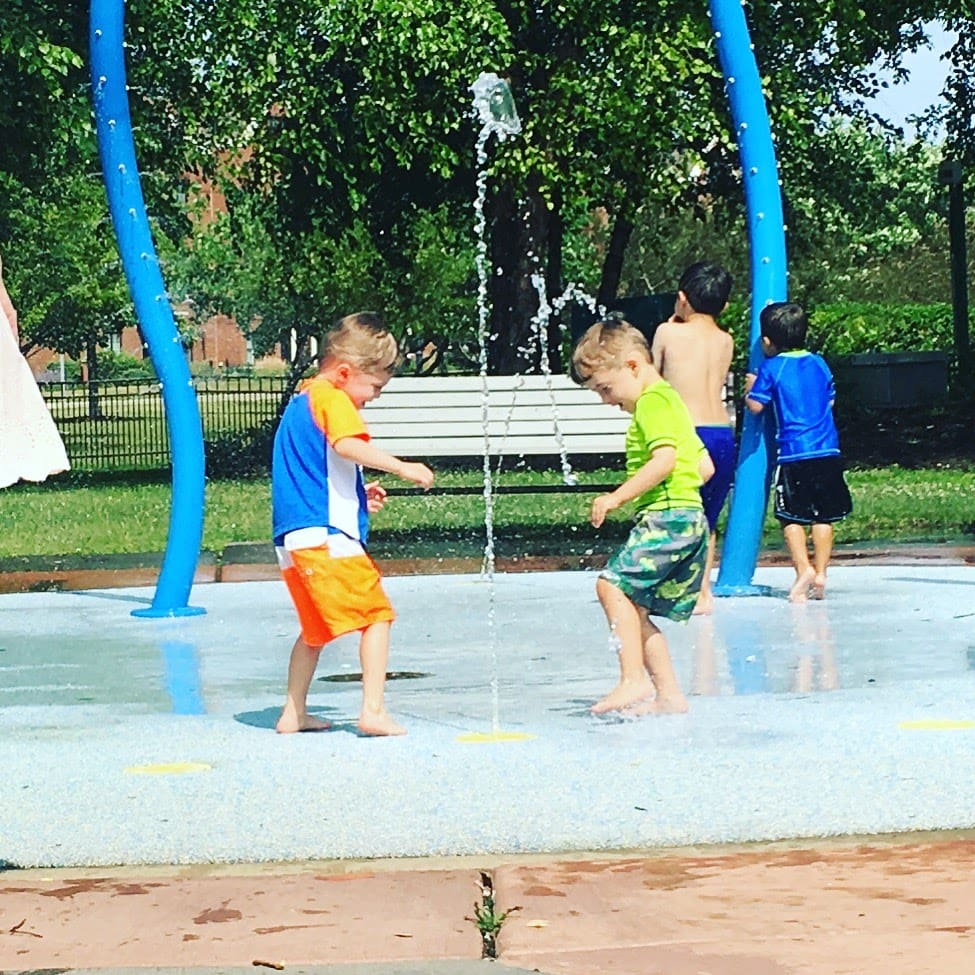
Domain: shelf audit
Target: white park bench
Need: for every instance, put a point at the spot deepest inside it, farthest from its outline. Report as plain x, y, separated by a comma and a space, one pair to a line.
443, 416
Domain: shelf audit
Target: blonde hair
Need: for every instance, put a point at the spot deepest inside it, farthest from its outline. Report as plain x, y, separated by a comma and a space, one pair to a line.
605, 346
364, 341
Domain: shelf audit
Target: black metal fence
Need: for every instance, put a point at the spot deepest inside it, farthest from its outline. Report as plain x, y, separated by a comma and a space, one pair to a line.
121, 424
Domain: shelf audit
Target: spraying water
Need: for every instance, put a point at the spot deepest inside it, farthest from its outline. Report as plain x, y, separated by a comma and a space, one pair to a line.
494, 108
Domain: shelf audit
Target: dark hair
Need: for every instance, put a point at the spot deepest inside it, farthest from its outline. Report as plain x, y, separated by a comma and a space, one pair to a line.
706, 286
784, 324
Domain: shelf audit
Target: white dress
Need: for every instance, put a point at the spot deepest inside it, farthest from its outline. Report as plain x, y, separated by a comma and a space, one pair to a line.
30, 445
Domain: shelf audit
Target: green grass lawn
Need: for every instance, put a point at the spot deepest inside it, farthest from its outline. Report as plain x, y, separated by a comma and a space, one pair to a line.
69, 517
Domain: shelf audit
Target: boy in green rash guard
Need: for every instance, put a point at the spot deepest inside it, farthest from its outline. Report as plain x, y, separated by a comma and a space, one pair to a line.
659, 569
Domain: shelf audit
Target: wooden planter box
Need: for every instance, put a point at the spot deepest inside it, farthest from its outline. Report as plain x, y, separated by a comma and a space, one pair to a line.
891, 378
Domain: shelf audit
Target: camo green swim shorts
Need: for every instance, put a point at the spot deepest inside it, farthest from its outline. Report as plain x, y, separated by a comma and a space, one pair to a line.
661, 564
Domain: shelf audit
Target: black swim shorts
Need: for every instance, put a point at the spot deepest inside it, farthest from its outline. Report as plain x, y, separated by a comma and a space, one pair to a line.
811, 492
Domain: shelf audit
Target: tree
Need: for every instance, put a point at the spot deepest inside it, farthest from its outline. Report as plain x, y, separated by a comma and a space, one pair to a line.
43, 104
60, 257
342, 130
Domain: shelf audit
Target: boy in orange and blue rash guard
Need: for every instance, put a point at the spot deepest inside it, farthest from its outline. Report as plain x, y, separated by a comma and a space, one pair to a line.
321, 506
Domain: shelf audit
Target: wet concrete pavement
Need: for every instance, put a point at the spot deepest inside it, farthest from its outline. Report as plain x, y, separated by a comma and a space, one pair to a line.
149, 815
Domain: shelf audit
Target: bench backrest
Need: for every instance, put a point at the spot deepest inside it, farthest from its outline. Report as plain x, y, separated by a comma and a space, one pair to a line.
443, 416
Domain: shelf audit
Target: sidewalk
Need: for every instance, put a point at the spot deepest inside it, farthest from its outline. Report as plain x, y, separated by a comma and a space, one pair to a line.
885, 907
150, 817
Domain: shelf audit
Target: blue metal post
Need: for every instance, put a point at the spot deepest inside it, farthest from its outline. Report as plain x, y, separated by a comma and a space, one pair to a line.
766, 234
158, 327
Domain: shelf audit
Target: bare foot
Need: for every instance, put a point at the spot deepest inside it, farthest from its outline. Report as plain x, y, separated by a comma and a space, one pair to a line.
289, 723
799, 592
704, 605
818, 588
379, 724
625, 693
659, 705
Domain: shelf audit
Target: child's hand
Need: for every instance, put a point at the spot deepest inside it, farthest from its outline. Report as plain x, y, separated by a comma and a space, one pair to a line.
419, 474
750, 378
602, 506
375, 497
705, 467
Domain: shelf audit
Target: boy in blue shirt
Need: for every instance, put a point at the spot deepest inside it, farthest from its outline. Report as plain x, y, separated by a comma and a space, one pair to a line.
809, 484
320, 511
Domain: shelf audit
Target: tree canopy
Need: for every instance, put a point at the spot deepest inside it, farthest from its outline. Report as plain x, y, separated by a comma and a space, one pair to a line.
342, 138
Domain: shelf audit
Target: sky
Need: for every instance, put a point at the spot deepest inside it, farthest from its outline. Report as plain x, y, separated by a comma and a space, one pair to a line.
923, 88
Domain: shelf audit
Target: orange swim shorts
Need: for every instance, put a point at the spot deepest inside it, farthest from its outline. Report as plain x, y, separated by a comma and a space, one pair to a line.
334, 595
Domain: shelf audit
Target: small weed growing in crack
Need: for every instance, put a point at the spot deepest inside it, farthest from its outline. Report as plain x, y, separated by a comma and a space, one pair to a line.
486, 918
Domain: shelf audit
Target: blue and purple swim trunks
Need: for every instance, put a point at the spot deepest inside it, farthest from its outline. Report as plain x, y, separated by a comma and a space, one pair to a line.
720, 444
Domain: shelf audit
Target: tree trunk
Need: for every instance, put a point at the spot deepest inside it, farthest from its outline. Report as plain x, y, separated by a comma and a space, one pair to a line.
554, 283
518, 249
609, 281
94, 403
302, 360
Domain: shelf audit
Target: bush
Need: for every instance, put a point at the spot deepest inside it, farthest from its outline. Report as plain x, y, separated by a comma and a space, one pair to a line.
120, 365
72, 371
266, 368
242, 454
856, 327
852, 328
205, 370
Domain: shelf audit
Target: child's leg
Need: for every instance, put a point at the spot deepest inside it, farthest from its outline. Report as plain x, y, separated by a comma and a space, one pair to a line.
795, 540
624, 617
301, 669
705, 599
670, 699
373, 658
822, 539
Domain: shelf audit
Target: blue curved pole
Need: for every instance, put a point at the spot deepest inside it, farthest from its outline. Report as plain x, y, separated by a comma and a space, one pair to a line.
766, 235
121, 175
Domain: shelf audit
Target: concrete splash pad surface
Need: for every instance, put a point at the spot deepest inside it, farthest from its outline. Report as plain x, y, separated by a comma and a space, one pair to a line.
132, 741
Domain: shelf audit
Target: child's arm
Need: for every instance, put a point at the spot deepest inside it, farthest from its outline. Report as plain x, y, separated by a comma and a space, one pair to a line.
366, 455
657, 469
705, 466
752, 404
658, 352
375, 497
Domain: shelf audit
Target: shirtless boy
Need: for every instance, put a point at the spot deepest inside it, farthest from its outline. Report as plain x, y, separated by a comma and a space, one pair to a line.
693, 353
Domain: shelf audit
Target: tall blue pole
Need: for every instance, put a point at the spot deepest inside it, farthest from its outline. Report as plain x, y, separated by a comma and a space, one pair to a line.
121, 175
766, 235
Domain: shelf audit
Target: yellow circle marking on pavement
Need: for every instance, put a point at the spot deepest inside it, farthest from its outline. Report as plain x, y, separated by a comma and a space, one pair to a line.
169, 768
482, 737
936, 724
